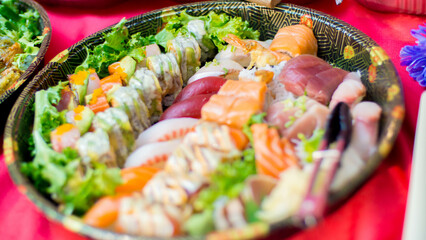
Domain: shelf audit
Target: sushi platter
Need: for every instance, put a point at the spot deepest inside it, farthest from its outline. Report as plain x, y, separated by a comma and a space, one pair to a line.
200, 121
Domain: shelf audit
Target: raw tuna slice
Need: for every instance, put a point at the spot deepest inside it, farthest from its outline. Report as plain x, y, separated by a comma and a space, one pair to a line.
313, 76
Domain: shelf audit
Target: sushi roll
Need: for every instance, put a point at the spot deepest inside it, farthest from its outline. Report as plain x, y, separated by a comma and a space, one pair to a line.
167, 70
95, 147
116, 124
187, 53
127, 99
197, 29
146, 83
79, 82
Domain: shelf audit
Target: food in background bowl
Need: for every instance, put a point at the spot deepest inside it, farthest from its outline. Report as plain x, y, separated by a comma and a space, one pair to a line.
226, 172
23, 27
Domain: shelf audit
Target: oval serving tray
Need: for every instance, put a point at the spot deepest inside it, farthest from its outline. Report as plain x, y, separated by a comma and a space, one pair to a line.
339, 43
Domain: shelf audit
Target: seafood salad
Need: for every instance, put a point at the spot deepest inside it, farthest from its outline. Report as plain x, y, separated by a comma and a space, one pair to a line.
200, 128
20, 38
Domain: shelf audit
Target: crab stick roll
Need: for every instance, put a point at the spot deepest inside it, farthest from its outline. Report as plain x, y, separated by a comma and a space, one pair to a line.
149, 89
187, 53
137, 216
95, 147
116, 124
295, 40
204, 149
166, 130
167, 71
127, 99
173, 188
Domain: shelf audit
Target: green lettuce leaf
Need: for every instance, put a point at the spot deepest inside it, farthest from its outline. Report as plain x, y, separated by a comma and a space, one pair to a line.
310, 145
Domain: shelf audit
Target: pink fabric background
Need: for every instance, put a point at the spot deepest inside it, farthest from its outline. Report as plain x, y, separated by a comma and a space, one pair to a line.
376, 210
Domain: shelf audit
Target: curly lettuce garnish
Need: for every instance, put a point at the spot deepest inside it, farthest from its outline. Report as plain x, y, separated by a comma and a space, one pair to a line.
216, 26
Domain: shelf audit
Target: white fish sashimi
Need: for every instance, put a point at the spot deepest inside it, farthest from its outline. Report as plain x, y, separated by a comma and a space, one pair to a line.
366, 117
363, 143
223, 68
152, 154
350, 91
166, 130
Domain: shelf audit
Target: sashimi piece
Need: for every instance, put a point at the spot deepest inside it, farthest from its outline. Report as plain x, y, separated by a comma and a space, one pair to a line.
307, 74
166, 130
226, 68
207, 85
350, 91
295, 40
66, 135
365, 130
240, 89
299, 116
273, 155
230, 110
153, 154
190, 107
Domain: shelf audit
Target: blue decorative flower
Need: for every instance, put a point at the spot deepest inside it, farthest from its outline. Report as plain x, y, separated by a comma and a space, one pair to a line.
414, 57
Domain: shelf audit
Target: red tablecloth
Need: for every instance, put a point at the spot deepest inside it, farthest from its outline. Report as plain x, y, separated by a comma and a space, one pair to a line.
376, 210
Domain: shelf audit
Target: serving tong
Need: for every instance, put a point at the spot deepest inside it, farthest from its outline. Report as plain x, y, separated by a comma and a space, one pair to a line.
326, 161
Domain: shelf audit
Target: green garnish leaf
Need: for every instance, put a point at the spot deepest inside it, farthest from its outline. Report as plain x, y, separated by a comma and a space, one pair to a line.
310, 145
